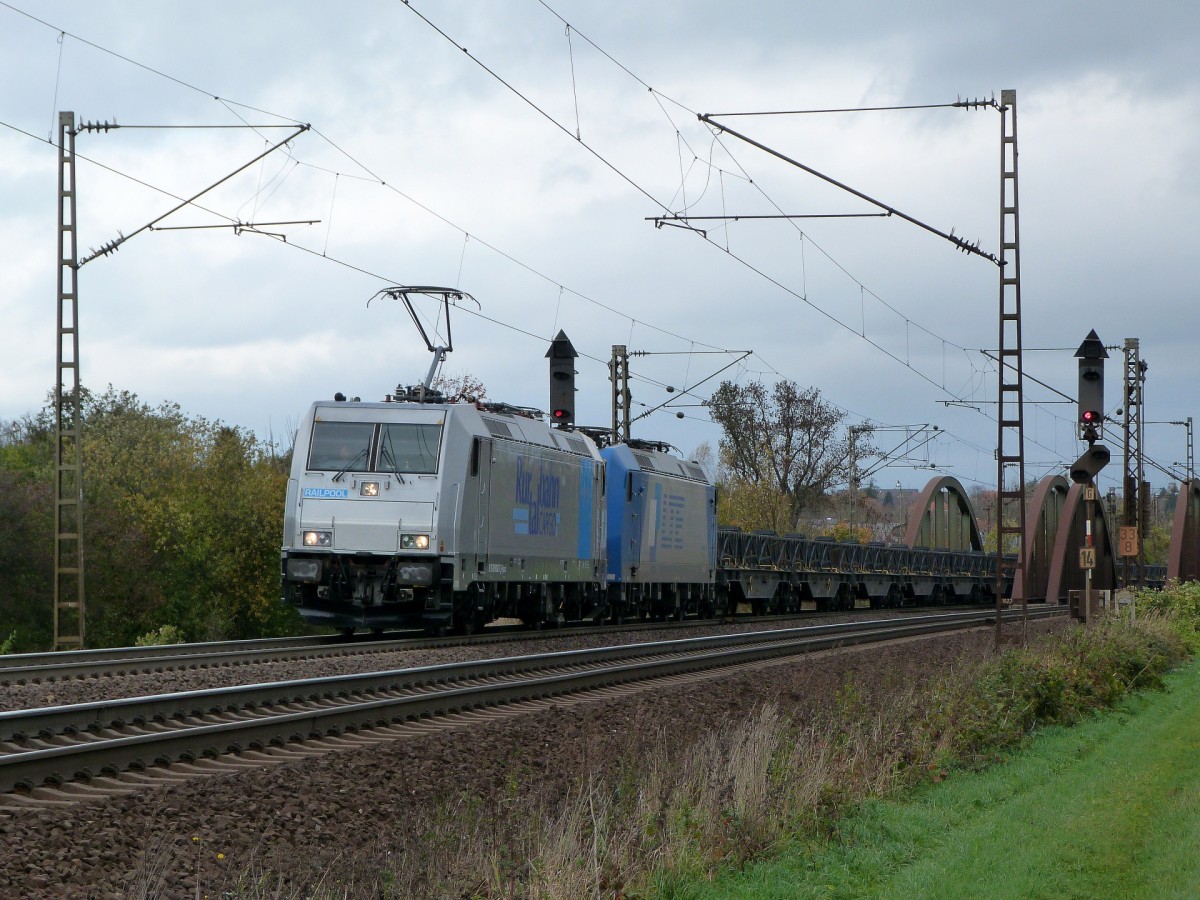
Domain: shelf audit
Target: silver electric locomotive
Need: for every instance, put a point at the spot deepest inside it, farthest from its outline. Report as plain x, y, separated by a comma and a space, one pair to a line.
442, 516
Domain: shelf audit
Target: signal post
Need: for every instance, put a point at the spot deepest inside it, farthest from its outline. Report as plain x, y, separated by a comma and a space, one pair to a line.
1091, 356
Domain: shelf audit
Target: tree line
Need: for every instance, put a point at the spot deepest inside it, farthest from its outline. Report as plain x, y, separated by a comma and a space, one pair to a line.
182, 521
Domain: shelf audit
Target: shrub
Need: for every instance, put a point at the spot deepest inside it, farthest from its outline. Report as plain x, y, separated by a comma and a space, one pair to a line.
1180, 603
1054, 682
167, 634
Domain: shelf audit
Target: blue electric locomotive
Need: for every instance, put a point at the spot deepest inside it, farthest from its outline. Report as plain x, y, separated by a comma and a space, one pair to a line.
662, 533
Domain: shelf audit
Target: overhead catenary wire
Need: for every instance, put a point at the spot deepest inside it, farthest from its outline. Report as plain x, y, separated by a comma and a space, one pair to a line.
549, 118
229, 104
644, 192
634, 321
958, 104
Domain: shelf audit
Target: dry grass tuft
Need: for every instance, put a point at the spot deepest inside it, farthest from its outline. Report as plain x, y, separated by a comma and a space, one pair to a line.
637, 825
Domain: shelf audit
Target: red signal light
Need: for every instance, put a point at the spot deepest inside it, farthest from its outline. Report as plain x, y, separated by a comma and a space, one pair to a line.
559, 414
1089, 417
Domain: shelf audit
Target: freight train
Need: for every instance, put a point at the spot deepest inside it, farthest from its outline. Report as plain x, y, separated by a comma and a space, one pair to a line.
415, 512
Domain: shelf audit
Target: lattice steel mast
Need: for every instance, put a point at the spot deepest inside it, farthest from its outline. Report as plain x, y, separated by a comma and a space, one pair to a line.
618, 374
1010, 441
1136, 489
68, 420
69, 597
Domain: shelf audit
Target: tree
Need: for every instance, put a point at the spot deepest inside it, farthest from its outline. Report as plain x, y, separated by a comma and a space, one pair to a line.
704, 457
784, 440
844, 531
26, 536
185, 517
753, 507
461, 387
1158, 545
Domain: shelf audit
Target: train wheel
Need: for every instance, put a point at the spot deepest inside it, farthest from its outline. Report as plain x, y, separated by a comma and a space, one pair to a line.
845, 599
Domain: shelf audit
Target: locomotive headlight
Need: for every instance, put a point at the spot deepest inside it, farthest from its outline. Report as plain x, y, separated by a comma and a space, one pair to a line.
369, 489
414, 542
317, 538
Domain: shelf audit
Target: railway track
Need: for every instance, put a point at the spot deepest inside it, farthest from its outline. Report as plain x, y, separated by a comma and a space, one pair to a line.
62, 754
42, 668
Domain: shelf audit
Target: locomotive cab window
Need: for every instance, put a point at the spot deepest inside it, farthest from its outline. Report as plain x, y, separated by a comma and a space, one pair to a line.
409, 448
340, 445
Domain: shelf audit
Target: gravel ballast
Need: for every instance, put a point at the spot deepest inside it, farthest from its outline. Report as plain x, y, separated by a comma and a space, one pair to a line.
109, 687
350, 811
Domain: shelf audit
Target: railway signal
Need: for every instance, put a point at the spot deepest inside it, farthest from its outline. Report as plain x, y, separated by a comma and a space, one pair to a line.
562, 380
1091, 355
1085, 469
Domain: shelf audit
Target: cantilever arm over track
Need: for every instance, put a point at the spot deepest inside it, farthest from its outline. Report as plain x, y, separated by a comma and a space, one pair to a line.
690, 388
112, 246
957, 241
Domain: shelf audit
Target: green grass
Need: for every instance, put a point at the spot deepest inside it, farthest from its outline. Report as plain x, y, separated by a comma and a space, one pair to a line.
1109, 808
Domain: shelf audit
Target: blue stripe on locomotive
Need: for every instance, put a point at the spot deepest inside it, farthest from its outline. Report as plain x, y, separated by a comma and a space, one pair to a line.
587, 486
660, 527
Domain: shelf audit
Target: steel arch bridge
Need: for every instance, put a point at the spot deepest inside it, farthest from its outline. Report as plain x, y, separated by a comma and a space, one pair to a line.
1055, 531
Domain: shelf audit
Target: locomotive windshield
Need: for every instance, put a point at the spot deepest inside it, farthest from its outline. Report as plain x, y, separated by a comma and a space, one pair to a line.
404, 448
409, 447
340, 445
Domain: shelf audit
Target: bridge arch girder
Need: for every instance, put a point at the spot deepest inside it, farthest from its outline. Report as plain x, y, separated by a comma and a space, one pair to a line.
1065, 573
1042, 520
1183, 557
944, 517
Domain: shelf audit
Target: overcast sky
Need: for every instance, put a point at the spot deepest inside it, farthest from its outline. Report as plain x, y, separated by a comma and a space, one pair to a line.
423, 167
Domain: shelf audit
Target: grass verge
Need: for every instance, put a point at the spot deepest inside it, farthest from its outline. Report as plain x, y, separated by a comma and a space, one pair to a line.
1107, 809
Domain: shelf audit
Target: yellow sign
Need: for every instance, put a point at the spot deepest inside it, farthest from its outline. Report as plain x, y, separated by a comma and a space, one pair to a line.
1128, 539
1087, 557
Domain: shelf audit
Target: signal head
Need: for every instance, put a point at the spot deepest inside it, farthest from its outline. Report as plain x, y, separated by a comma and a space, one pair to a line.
1086, 468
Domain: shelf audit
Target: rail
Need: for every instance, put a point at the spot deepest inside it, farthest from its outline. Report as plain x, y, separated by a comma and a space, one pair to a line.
60, 744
